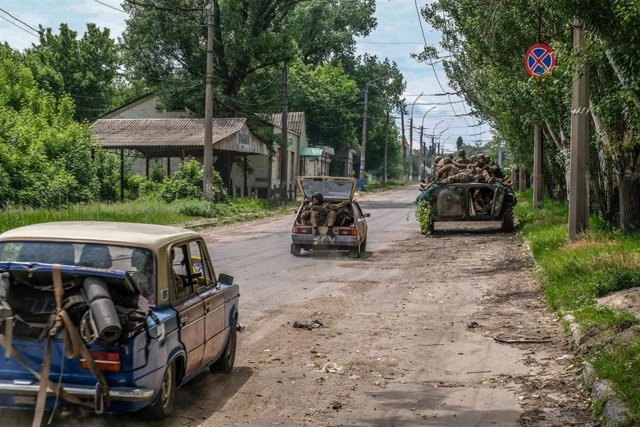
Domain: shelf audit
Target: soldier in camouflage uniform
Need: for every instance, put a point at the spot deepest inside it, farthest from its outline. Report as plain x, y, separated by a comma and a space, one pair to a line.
323, 214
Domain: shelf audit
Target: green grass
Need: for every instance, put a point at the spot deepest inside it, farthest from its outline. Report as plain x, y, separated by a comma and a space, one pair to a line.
378, 186
574, 274
148, 210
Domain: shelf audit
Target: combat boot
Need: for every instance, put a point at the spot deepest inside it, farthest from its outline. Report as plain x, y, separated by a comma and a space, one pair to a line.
330, 232
315, 231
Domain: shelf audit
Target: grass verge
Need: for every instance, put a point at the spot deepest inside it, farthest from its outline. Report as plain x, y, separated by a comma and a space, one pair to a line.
149, 210
574, 274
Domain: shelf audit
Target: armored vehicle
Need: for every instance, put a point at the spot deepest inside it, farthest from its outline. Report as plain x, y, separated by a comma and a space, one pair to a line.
469, 201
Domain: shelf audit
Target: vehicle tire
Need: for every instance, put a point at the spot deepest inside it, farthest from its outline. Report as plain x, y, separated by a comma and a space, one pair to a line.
225, 363
354, 252
363, 246
296, 250
432, 224
163, 405
507, 219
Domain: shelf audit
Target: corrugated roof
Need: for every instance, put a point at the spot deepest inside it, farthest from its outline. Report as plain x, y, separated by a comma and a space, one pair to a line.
129, 133
294, 121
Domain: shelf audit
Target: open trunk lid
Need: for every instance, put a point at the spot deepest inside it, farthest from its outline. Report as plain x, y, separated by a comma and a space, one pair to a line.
332, 188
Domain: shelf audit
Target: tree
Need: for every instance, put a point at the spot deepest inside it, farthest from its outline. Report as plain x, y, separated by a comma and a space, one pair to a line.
46, 158
459, 143
166, 47
324, 31
84, 69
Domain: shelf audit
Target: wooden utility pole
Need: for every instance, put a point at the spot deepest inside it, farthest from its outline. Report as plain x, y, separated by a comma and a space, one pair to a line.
363, 148
386, 147
404, 146
578, 200
538, 177
284, 150
207, 181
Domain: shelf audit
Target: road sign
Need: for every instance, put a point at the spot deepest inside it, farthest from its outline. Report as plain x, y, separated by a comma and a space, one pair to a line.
539, 61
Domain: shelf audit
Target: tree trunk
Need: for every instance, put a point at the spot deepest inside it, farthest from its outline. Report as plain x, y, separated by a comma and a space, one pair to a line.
629, 189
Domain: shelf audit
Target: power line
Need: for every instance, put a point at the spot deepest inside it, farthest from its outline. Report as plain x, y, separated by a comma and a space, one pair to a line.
110, 7
23, 29
20, 21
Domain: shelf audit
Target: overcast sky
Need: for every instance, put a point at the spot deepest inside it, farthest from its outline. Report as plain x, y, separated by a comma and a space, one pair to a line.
397, 35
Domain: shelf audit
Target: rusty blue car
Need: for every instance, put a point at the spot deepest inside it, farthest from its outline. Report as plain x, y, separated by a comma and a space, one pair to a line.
110, 316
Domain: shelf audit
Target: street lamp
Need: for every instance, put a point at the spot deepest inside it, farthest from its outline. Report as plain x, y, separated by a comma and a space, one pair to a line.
423, 145
410, 177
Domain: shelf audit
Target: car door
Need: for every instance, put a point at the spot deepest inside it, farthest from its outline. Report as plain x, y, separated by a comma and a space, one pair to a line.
215, 324
361, 222
188, 304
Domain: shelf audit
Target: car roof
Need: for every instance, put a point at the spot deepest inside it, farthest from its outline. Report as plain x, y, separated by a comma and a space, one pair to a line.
115, 233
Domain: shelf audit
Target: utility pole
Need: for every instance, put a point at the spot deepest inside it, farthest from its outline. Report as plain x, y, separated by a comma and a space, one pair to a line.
404, 146
363, 149
386, 147
284, 150
538, 178
578, 201
207, 191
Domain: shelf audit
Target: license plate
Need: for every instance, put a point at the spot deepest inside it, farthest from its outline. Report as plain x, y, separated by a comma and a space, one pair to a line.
24, 400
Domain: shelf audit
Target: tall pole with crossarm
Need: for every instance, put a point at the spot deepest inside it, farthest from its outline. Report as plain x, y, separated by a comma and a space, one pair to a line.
207, 190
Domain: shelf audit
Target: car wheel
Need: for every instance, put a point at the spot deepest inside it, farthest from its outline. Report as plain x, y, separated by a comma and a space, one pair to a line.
363, 246
296, 249
225, 362
163, 405
354, 252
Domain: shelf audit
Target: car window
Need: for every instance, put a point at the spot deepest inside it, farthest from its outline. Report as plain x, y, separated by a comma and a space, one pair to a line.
200, 265
180, 277
358, 209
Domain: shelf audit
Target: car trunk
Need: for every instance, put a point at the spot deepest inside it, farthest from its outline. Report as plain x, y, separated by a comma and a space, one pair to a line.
103, 306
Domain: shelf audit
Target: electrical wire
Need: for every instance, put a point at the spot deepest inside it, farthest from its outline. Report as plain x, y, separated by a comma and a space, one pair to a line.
23, 29
20, 21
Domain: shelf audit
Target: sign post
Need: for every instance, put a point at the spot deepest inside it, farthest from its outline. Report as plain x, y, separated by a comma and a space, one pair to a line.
539, 62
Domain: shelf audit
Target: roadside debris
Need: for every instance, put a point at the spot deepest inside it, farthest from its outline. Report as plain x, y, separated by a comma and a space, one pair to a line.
473, 325
523, 340
308, 326
332, 368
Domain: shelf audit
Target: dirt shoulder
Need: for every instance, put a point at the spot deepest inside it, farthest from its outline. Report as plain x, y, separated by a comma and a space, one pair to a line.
408, 339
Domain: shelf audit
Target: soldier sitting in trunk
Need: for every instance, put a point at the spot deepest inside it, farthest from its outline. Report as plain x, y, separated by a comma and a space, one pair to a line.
323, 214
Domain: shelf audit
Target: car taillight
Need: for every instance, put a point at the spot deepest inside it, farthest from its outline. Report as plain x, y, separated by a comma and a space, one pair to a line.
302, 230
348, 231
105, 361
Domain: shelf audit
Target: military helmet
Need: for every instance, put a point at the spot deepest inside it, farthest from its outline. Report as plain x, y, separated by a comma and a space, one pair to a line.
437, 159
462, 153
317, 196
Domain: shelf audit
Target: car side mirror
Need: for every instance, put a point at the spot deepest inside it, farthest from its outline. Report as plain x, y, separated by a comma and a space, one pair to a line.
367, 215
225, 278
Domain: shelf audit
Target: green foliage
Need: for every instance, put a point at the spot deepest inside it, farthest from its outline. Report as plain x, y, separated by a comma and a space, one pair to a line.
575, 273
616, 279
83, 68
325, 31
137, 186
46, 158
186, 183
423, 212
325, 93
156, 171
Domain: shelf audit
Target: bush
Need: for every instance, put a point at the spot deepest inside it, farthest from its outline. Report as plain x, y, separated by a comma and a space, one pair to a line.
156, 171
137, 186
198, 208
423, 211
186, 183
616, 279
